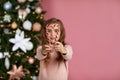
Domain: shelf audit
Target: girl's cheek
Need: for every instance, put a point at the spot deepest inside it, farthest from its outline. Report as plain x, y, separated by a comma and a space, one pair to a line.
57, 37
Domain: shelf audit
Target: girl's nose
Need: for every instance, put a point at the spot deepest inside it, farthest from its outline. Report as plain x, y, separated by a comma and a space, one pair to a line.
53, 33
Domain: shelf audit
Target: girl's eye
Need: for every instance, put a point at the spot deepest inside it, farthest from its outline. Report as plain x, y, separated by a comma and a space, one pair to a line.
49, 30
56, 30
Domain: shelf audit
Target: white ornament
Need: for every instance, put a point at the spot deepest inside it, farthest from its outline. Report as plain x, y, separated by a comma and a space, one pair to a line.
7, 5
1, 21
34, 78
27, 25
1, 55
19, 41
38, 10
6, 54
7, 63
7, 18
22, 13
29, 46
28, 10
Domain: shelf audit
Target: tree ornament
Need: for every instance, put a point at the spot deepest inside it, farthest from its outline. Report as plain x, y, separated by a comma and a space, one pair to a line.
36, 26
14, 25
29, 46
6, 54
22, 13
27, 25
6, 31
7, 63
38, 10
19, 41
34, 78
31, 60
7, 6
28, 10
36, 71
1, 21
7, 18
21, 1
16, 73
41, 16
33, 12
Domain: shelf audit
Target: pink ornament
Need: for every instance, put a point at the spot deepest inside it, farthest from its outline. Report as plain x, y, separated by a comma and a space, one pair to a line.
36, 26
31, 60
21, 1
14, 25
22, 13
38, 10
16, 73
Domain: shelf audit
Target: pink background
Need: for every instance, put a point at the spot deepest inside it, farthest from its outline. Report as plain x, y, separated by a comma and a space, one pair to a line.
93, 30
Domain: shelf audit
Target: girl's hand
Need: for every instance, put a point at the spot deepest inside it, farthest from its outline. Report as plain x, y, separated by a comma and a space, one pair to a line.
46, 49
60, 48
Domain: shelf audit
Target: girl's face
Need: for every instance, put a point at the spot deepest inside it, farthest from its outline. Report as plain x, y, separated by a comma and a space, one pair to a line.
53, 32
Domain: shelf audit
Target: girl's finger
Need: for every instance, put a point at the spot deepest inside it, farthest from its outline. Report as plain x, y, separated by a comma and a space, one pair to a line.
46, 46
57, 43
57, 49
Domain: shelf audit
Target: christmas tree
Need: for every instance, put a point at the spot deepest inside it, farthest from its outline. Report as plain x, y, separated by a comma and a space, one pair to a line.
20, 26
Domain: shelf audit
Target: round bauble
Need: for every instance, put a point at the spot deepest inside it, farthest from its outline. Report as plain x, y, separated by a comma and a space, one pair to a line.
36, 26
31, 60
14, 25
7, 6
38, 10
27, 25
29, 46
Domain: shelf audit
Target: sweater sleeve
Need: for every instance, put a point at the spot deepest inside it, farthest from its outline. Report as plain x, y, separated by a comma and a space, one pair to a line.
39, 55
69, 53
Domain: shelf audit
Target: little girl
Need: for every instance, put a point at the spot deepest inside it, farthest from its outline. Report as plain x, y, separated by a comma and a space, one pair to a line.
54, 53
